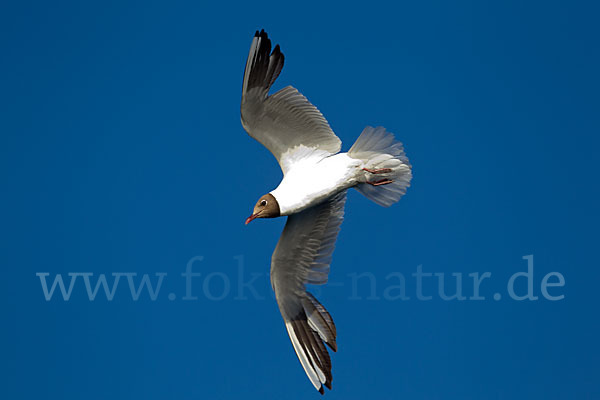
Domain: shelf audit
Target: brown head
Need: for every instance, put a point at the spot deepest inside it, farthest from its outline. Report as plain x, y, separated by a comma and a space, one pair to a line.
266, 207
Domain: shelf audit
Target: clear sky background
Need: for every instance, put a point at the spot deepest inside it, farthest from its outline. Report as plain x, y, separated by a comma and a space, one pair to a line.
121, 150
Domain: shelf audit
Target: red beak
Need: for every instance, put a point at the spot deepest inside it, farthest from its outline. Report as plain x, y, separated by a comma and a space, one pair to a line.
250, 218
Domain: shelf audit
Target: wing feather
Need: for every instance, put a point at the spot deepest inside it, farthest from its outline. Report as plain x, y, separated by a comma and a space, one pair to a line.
286, 123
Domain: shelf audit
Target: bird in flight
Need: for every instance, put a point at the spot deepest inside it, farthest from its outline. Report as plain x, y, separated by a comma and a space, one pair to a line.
312, 195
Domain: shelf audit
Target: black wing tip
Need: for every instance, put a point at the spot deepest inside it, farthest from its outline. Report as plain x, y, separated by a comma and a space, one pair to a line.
261, 34
313, 347
264, 65
264, 35
332, 346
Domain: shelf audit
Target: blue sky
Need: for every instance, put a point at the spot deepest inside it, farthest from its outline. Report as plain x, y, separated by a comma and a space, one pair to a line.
122, 152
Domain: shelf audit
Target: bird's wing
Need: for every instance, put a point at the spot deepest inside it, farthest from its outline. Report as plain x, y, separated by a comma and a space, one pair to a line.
302, 256
286, 123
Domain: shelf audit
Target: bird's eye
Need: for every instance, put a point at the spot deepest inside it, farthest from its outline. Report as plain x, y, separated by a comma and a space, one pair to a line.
263, 203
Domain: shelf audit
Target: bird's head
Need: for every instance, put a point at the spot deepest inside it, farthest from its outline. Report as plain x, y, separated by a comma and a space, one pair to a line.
266, 207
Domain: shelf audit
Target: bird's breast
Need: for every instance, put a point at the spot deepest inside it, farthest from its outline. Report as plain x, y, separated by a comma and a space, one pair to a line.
310, 183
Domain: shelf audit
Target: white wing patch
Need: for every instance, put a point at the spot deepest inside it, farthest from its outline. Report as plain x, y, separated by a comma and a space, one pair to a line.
301, 154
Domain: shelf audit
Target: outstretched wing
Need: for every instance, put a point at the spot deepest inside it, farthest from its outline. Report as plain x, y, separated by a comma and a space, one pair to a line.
286, 123
302, 256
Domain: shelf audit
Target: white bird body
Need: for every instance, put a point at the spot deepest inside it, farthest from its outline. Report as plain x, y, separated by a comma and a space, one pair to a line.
311, 180
312, 194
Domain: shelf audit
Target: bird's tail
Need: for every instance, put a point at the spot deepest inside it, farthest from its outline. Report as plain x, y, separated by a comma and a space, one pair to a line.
387, 171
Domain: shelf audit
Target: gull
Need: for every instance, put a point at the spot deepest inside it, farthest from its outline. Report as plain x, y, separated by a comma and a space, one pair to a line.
312, 195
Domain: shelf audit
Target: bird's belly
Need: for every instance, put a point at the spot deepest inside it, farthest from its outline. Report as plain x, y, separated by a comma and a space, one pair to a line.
307, 185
